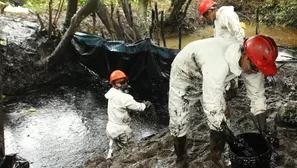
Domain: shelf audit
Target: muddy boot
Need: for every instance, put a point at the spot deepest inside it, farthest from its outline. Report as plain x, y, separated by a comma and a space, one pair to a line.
181, 152
217, 144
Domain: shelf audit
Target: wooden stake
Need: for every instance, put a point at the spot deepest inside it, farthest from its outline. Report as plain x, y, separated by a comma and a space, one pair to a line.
94, 22
152, 24
2, 143
162, 29
102, 33
179, 37
257, 21
157, 23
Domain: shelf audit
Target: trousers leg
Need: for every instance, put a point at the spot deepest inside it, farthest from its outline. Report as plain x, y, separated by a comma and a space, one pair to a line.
110, 151
217, 144
181, 151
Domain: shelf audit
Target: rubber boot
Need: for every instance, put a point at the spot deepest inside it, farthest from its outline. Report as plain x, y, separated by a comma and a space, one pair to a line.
181, 152
217, 144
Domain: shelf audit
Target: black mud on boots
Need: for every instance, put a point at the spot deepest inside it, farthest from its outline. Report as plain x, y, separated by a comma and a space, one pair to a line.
181, 152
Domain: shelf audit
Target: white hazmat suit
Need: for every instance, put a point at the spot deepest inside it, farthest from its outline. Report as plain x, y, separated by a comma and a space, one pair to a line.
202, 68
227, 24
118, 126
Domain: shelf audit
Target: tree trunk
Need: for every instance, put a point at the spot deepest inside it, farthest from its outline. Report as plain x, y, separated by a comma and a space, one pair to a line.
128, 14
86, 10
111, 25
142, 15
175, 11
71, 10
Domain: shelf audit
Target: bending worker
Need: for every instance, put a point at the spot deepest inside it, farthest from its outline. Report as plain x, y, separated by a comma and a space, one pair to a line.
226, 25
119, 102
202, 68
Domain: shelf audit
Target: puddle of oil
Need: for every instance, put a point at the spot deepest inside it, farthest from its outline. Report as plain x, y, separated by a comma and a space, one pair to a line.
283, 36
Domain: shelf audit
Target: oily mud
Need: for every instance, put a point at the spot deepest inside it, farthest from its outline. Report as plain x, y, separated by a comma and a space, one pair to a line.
158, 152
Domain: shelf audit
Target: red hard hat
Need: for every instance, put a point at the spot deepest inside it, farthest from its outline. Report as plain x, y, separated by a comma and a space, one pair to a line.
262, 51
117, 74
204, 6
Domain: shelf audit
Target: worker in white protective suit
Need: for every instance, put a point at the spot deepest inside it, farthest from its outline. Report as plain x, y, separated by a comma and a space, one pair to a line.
226, 25
119, 102
226, 21
202, 68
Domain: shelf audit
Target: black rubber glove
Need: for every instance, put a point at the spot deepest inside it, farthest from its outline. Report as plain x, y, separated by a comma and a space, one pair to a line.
148, 104
260, 122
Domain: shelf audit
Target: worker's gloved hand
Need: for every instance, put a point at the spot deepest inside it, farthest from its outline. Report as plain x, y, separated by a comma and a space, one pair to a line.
148, 104
260, 122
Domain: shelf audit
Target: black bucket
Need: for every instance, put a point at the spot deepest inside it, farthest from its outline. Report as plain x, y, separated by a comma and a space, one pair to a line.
261, 148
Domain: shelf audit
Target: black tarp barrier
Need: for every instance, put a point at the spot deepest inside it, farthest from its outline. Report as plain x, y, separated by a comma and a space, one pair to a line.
147, 65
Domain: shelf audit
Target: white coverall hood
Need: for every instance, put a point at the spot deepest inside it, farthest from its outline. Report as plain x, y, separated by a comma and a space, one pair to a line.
111, 93
227, 24
232, 56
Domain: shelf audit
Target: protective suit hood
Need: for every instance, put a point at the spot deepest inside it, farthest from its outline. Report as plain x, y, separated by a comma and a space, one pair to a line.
112, 93
224, 9
232, 56
227, 24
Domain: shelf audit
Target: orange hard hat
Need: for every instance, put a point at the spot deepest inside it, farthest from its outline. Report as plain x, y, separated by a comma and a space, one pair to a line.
262, 51
204, 6
117, 74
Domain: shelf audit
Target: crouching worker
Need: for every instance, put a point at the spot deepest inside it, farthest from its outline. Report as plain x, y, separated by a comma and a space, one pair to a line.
119, 102
202, 68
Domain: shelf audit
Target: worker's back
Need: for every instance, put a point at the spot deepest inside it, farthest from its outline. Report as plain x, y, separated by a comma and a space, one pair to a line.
203, 54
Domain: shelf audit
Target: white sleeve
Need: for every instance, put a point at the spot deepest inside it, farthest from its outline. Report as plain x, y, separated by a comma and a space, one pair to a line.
233, 25
214, 104
254, 84
131, 104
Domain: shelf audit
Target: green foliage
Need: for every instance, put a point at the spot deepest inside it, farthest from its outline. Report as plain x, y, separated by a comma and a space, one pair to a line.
283, 14
82, 1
